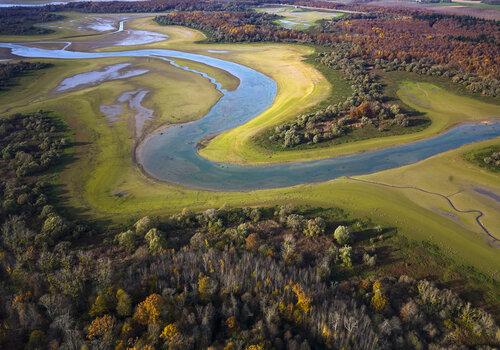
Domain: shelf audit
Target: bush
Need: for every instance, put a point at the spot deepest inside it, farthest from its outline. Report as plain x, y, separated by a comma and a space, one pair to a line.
342, 235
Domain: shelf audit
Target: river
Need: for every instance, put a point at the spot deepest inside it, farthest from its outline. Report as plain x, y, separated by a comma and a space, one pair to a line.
170, 154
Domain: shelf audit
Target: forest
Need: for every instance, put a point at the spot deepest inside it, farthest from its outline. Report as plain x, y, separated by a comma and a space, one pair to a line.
22, 21
232, 278
10, 71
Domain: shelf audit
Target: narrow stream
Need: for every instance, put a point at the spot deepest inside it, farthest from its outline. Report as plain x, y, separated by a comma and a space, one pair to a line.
170, 154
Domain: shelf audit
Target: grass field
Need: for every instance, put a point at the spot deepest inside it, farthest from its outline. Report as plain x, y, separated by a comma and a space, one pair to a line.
298, 18
451, 175
101, 182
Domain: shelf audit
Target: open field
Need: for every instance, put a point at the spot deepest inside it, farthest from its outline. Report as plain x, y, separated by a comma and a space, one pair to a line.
472, 4
298, 18
457, 179
168, 86
101, 181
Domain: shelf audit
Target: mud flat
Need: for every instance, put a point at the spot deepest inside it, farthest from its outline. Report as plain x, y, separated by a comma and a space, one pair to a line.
113, 72
134, 101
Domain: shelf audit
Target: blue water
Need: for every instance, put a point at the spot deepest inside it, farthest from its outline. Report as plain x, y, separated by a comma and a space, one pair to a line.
171, 155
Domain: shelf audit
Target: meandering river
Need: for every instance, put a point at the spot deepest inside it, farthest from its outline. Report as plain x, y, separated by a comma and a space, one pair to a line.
170, 154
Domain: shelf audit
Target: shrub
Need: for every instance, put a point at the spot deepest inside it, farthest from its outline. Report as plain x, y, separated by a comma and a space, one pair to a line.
315, 227
342, 234
346, 256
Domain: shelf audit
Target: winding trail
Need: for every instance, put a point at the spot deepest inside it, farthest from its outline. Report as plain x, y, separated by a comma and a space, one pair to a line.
479, 213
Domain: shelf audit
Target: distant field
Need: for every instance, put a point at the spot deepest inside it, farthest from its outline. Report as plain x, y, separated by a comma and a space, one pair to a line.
472, 4
474, 9
298, 18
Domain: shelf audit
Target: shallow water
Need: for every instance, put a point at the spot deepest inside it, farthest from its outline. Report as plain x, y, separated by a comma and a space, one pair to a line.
290, 24
113, 72
102, 25
142, 114
171, 155
488, 193
111, 112
139, 37
217, 51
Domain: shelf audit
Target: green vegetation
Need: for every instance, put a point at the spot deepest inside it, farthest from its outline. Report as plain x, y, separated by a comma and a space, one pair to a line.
11, 72
488, 157
297, 17
24, 21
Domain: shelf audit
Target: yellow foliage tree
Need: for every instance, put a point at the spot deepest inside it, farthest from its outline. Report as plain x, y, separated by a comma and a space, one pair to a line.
123, 303
232, 323
101, 305
303, 300
149, 310
101, 327
379, 300
255, 347
206, 286
171, 334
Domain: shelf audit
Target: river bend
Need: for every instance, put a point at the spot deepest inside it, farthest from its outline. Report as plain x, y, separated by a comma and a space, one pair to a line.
170, 154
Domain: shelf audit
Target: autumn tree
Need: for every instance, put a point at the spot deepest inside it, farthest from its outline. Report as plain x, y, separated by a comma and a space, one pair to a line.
102, 327
379, 300
149, 311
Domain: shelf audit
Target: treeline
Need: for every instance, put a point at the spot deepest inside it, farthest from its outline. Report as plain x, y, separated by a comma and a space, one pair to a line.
251, 278
9, 71
410, 40
157, 6
21, 21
